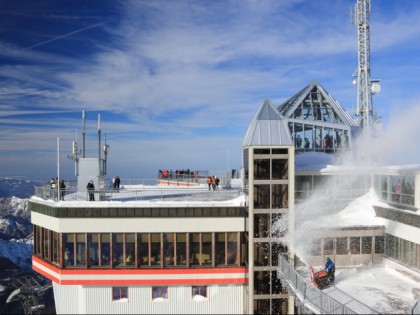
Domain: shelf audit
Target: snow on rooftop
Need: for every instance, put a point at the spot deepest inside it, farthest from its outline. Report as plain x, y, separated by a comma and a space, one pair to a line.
359, 212
313, 161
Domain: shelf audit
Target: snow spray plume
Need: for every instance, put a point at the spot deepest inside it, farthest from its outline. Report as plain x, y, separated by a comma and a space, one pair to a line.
395, 145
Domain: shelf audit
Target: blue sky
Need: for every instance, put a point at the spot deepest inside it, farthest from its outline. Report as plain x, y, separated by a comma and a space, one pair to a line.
178, 82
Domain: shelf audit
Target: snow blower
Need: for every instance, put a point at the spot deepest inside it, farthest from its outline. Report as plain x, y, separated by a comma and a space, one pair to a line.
321, 279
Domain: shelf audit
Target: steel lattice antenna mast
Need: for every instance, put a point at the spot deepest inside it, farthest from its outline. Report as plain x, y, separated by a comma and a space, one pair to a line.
365, 86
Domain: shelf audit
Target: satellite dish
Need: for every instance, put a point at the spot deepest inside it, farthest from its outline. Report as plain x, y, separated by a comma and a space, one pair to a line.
376, 88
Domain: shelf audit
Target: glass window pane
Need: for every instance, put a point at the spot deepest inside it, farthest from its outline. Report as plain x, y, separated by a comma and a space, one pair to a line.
206, 257
328, 246
232, 248
355, 245
276, 249
318, 139
56, 248
81, 249
194, 249
298, 136
159, 292
68, 244
379, 244
130, 253
155, 246
105, 249
117, 249
308, 138
143, 249
261, 254
220, 248
261, 225
366, 245
199, 290
280, 168
261, 282
93, 249
280, 196
262, 196
169, 249
46, 243
181, 249
262, 169
342, 246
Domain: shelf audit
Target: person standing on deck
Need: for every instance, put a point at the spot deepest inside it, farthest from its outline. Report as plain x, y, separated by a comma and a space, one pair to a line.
91, 187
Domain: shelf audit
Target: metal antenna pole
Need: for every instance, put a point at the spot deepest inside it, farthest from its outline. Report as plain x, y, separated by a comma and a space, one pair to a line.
99, 143
84, 134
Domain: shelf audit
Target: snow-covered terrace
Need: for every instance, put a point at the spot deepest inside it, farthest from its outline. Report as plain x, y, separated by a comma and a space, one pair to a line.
141, 195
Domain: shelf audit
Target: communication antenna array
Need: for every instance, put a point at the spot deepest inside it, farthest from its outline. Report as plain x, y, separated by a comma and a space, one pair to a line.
365, 86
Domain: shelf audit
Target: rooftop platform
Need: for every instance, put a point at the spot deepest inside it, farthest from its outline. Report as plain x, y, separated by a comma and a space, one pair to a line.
132, 195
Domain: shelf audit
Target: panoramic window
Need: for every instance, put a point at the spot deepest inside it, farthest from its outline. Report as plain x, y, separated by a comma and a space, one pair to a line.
119, 293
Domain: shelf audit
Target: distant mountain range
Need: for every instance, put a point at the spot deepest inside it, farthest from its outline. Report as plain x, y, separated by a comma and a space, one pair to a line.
16, 245
18, 187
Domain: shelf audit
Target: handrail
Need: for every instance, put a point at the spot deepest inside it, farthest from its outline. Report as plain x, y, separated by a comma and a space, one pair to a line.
315, 300
155, 193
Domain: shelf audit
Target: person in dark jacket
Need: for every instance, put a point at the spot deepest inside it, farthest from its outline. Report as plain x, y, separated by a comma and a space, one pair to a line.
117, 183
91, 187
62, 189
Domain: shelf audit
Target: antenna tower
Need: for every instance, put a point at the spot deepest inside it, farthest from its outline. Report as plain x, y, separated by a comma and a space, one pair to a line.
365, 86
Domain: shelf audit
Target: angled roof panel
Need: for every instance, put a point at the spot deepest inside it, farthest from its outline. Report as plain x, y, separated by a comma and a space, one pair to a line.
267, 128
288, 108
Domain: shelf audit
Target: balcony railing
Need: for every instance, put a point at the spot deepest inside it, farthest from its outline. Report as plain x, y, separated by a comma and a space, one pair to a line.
138, 194
327, 301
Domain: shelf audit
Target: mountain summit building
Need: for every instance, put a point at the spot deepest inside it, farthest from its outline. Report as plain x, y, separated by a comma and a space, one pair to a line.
178, 247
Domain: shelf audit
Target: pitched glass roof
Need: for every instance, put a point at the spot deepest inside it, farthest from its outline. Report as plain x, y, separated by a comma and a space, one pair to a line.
314, 103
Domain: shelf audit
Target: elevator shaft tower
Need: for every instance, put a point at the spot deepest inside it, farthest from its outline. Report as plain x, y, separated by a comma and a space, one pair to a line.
365, 86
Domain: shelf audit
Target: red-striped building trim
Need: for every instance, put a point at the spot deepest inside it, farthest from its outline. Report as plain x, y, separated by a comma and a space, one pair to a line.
55, 274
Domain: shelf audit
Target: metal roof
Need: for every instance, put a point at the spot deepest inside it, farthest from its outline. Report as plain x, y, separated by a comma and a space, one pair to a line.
268, 128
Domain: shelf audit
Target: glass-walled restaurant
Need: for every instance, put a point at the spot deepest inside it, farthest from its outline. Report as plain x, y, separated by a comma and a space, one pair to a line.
309, 137
138, 250
396, 189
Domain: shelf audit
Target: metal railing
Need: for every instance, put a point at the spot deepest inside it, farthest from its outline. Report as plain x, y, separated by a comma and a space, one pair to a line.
327, 301
143, 194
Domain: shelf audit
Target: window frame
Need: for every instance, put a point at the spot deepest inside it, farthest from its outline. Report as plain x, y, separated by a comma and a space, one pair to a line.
199, 290
161, 293
120, 290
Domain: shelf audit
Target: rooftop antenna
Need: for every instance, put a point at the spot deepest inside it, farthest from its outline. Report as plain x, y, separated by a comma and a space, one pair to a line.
365, 86
84, 134
105, 149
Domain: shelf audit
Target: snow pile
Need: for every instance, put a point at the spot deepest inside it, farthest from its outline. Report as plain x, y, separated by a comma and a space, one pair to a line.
358, 212
382, 288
